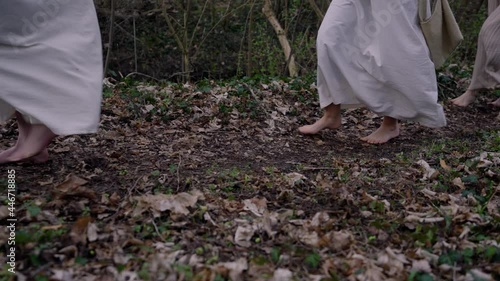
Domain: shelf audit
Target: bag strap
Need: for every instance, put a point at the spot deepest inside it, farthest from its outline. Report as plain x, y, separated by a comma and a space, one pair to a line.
422, 10
426, 8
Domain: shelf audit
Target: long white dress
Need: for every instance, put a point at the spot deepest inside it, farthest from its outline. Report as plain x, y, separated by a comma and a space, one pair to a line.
51, 64
486, 73
372, 53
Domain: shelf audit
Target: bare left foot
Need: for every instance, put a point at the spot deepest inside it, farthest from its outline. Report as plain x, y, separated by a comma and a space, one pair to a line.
32, 148
496, 103
41, 157
465, 99
388, 130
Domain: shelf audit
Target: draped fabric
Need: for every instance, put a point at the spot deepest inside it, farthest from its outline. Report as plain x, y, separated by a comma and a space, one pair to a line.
372, 53
486, 73
51, 64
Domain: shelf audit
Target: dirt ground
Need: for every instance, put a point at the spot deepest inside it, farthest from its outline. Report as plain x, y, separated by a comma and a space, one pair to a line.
271, 204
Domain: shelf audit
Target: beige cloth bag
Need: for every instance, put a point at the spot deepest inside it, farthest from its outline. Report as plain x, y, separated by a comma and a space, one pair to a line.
441, 30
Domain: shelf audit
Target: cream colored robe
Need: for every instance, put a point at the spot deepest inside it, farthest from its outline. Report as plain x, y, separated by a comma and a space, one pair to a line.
51, 64
486, 73
372, 53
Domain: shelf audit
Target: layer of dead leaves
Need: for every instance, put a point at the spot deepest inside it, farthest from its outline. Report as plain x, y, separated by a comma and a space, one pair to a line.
213, 183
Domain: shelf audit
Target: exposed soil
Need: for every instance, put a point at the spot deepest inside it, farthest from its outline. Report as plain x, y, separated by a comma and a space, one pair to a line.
230, 158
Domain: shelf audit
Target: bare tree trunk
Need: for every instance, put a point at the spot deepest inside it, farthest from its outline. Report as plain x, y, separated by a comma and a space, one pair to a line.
110, 41
285, 44
181, 43
249, 67
186, 62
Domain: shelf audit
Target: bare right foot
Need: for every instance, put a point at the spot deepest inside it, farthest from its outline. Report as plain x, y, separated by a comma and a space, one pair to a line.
388, 130
465, 99
33, 148
496, 103
323, 123
41, 157
330, 120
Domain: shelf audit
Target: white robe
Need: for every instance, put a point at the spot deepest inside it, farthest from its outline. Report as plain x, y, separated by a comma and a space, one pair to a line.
486, 73
372, 53
51, 64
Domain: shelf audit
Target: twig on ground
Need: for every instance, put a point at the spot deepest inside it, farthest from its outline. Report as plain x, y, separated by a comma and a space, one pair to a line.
178, 175
156, 228
259, 102
42, 268
131, 189
142, 74
317, 168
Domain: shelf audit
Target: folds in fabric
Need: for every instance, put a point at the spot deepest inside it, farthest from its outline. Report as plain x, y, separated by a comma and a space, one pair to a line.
373, 54
51, 63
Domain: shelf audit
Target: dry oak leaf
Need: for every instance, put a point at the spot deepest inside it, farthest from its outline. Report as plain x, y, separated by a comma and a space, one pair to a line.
73, 186
429, 173
244, 234
176, 203
255, 205
338, 240
282, 274
235, 268
421, 265
78, 232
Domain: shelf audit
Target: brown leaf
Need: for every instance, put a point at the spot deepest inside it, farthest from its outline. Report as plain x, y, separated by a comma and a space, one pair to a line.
61, 149
338, 240
71, 182
243, 235
4, 212
421, 265
78, 232
429, 173
255, 205
73, 187
458, 182
114, 199
92, 232
282, 274
51, 227
176, 203
444, 165
235, 268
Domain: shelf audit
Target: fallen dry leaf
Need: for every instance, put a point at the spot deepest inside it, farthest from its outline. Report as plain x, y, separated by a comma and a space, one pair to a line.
429, 173
282, 274
73, 187
444, 165
78, 232
235, 268
176, 203
258, 206
421, 266
243, 235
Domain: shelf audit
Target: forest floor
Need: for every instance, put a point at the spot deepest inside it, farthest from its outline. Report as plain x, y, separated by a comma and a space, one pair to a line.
213, 182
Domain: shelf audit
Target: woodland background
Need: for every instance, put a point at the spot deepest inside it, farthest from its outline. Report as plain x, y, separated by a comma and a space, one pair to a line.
180, 40
210, 180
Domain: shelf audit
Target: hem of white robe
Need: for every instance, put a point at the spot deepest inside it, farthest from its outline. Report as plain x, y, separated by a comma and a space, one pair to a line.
65, 132
478, 86
422, 121
33, 120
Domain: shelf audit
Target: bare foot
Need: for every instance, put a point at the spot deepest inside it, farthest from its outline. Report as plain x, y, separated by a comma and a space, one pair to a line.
6, 153
321, 124
23, 131
34, 146
465, 99
41, 157
330, 120
496, 103
388, 130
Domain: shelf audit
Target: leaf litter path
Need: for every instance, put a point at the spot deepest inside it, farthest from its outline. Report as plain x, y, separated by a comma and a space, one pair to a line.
227, 190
